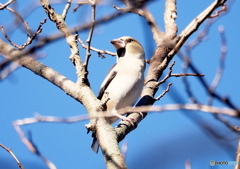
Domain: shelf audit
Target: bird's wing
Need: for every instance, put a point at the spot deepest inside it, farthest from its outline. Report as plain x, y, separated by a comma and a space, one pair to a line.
110, 76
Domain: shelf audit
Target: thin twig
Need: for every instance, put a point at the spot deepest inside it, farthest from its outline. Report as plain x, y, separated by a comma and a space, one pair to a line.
237, 166
100, 52
66, 9
193, 26
6, 4
186, 74
51, 119
31, 146
89, 39
31, 37
217, 13
164, 92
204, 108
4, 73
219, 73
56, 36
21, 19
226, 123
147, 16
13, 155
144, 109
188, 90
79, 4
168, 74
214, 94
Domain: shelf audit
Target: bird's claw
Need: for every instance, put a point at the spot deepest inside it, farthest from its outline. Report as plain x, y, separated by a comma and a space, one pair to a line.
141, 114
130, 120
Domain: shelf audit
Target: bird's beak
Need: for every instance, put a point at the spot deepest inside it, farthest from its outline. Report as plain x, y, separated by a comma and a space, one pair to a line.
118, 43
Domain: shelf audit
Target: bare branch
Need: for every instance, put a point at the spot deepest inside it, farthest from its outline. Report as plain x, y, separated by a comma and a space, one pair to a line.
190, 65
100, 52
218, 75
31, 37
32, 147
88, 41
193, 26
21, 19
82, 93
176, 75
38, 118
148, 18
51, 119
203, 108
66, 9
186, 74
170, 16
13, 66
238, 156
125, 128
80, 4
13, 155
226, 123
56, 36
146, 109
71, 40
188, 90
6, 4
220, 69
216, 14
168, 75
164, 92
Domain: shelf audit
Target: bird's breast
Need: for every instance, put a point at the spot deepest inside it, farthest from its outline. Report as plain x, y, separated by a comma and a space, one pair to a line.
126, 87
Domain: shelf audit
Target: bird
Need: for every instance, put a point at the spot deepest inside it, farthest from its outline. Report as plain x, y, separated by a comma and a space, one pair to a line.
124, 82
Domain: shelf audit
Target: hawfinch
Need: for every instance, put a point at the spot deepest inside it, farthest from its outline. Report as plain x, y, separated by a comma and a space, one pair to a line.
124, 82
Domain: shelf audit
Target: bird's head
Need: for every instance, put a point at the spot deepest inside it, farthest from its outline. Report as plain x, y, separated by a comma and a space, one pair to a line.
127, 45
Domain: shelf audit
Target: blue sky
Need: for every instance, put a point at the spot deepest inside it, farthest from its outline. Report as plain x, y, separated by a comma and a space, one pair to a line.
162, 140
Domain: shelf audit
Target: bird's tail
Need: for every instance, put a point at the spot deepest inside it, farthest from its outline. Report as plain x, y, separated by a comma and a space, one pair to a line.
95, 145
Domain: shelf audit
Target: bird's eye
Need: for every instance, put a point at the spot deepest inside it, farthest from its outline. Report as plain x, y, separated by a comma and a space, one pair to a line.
129, 40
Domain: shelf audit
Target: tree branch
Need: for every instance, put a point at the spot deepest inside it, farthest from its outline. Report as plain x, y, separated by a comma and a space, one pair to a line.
89, 39
6, 4
238, 156
13, 155
194, 25
170, 16
159, 62
66, 9
82, 93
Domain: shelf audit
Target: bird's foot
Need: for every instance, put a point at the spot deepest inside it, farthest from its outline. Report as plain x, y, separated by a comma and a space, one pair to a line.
124, 118
141, 114
130, 120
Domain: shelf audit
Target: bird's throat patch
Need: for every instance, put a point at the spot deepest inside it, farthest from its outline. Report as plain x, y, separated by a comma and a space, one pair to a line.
121, 52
